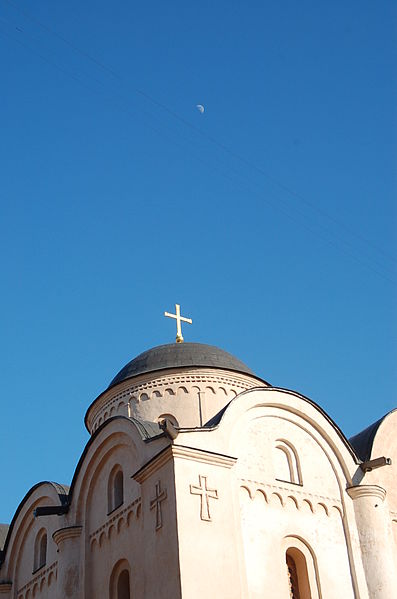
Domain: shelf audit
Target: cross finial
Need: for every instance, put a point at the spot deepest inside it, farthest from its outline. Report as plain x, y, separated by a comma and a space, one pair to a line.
179, 319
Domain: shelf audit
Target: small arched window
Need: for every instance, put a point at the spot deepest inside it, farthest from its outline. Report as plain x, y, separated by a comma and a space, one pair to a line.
40, 550
286, 463
298, 578
115, 489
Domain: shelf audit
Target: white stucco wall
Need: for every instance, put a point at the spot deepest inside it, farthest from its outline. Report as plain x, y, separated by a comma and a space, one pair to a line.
231, 505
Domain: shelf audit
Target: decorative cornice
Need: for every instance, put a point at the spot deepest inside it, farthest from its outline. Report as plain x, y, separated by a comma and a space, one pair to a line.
157, 381
153, 465
133, 508
289, 488
63, 534
43, 573
182, 452
5, 587
366, 491
205, 457
292, 495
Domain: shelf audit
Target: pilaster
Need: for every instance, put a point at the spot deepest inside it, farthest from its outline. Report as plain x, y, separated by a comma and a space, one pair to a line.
70, 575
208, 525
375, 536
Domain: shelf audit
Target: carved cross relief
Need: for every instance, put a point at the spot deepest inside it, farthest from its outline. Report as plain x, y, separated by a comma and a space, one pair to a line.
156, 503
205, 495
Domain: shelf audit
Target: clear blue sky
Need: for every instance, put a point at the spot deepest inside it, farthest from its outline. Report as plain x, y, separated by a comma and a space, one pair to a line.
271, 218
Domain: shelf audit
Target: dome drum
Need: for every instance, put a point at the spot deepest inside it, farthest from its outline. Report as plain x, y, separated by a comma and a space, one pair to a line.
189, 381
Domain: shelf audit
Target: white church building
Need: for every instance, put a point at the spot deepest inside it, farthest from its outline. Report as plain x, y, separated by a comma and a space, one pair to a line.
201, 480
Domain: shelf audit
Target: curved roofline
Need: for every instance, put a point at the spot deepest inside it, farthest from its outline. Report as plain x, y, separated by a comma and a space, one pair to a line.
63, 500
141, 430
214, 422
174, 355
363, 441
67, 495
254, 376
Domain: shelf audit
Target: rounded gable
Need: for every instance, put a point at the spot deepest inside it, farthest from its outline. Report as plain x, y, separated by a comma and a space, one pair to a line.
55, 495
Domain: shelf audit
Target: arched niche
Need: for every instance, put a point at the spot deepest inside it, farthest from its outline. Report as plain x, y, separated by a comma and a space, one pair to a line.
120, 581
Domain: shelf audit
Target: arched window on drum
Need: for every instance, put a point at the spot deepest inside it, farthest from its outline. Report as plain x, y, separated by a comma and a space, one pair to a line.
170, 417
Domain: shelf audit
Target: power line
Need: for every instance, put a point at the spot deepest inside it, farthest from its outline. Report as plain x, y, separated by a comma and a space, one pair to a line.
63, 39
214, 141
210, 138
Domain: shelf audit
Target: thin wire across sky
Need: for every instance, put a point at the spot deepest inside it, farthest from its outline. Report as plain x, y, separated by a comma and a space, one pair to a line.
293, 205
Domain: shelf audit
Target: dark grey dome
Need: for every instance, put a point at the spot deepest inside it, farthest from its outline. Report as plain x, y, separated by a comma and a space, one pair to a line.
179, 355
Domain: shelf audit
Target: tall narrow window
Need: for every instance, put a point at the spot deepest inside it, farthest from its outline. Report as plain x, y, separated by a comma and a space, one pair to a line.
118, 489
40, 550
115, 489
123, 585
292, 578
298, 578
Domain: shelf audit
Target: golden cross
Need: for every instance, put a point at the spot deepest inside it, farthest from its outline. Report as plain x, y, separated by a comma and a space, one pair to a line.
179, 319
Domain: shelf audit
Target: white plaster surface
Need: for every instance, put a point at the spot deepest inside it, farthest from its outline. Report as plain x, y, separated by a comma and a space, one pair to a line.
272, 475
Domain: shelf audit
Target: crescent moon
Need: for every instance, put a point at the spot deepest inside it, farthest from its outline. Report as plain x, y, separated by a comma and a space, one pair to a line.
200, 108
